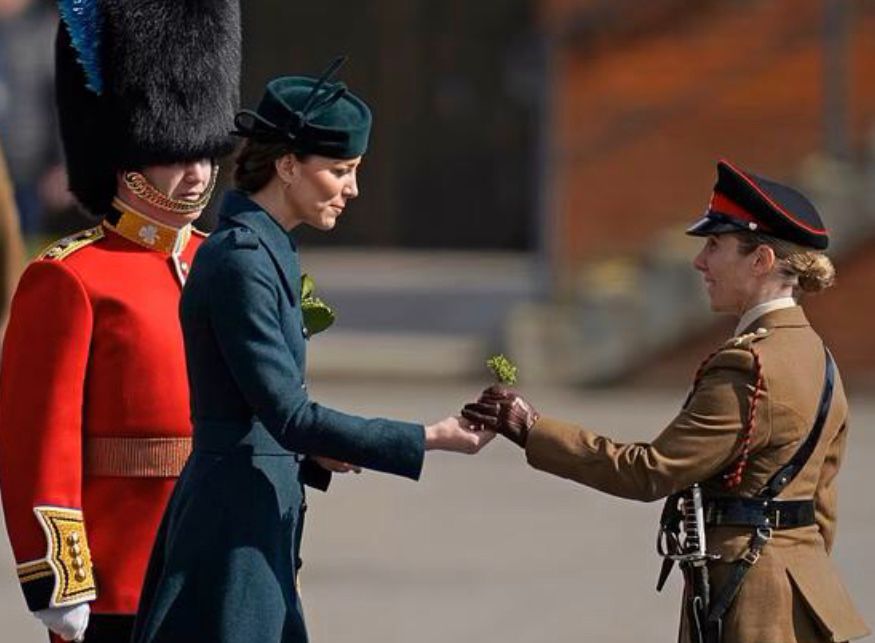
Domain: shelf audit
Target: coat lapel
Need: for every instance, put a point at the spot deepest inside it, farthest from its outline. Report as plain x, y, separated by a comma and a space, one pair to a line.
238, 209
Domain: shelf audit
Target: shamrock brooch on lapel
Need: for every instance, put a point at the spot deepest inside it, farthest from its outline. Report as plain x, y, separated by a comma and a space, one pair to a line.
317, 314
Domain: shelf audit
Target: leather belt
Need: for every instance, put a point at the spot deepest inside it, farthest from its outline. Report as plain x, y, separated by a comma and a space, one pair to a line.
136, 457
758, 512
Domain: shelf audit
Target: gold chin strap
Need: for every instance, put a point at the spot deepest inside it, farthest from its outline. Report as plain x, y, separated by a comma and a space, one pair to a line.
140, 186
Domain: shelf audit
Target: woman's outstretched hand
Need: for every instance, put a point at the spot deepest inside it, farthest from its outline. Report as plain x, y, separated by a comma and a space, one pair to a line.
456, 434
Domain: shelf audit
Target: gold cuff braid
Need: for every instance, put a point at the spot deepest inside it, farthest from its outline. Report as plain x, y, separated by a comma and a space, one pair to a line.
68, 558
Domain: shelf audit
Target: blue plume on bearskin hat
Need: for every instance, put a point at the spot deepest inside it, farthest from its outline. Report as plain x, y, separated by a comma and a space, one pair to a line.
90, 159
169, 72
83, 21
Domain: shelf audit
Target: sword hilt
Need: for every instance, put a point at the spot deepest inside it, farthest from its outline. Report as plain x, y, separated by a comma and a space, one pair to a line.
693, 547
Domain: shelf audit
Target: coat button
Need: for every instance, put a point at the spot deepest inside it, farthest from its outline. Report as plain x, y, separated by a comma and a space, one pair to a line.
81, 575
73, 538
78, 562
75, 550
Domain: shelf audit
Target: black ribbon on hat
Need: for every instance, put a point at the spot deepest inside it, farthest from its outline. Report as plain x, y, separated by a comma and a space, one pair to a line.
251, 124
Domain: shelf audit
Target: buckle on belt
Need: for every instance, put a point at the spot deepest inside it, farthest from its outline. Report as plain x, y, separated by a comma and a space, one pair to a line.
771, 514
752, 555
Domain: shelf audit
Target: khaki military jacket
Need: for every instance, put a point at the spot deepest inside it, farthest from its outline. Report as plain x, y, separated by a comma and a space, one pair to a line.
793, 593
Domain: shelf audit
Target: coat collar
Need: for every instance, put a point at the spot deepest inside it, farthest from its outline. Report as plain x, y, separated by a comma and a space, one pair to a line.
146, 231
793, 317
239, 209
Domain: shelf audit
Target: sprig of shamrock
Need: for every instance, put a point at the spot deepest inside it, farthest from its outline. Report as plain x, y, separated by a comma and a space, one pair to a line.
503, 369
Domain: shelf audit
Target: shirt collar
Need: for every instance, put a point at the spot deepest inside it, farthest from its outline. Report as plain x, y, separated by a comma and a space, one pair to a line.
759, 310
147, 232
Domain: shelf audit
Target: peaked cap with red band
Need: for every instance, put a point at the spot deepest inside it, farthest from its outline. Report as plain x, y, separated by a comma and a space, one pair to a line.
745, 201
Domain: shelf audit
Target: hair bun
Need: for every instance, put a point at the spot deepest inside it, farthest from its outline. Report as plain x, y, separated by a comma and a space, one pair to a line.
815, 271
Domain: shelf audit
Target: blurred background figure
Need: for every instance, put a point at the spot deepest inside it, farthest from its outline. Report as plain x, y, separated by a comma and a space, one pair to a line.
11, 246
28, 125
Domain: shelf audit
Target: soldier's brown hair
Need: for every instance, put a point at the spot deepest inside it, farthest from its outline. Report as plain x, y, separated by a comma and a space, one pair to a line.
809, 270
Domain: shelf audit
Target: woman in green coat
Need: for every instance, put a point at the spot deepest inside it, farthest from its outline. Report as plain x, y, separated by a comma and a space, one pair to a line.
224, 566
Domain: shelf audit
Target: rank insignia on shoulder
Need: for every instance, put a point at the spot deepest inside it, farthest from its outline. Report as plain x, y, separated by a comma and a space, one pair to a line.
68, 245
65, 576
747, 339
244, 238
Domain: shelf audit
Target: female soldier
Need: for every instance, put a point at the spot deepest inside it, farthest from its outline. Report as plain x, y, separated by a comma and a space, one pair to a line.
225, 563
748, 432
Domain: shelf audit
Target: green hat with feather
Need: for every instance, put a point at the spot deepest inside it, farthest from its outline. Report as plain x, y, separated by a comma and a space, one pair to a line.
313, 115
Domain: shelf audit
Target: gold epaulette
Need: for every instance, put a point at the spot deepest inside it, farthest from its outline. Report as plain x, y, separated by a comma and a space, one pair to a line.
68, 559
68, 245
747, 339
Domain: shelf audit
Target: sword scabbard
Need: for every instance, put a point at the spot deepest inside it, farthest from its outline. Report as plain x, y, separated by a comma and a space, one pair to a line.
667, 565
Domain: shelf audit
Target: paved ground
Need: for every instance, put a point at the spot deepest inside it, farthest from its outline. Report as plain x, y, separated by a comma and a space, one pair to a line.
485, 550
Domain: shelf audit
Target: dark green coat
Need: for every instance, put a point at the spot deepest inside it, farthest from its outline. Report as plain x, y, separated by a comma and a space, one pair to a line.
224, 564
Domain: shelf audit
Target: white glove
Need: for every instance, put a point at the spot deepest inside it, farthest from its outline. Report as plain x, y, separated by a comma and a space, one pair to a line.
67, 622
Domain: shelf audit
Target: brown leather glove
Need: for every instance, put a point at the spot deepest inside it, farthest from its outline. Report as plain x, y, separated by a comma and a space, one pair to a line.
503, 411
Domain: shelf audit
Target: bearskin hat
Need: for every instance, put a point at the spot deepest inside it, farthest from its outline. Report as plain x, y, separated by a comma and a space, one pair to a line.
144, 82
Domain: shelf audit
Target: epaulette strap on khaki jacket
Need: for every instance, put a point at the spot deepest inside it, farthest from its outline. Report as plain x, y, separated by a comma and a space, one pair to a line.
746, 340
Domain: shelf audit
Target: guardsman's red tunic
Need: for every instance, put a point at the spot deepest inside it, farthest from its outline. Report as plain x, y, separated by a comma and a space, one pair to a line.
94, 412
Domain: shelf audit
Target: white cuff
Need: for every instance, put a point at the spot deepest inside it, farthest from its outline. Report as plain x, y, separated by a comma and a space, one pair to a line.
67, 622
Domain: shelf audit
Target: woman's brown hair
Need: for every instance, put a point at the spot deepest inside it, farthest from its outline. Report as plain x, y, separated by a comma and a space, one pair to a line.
255, 163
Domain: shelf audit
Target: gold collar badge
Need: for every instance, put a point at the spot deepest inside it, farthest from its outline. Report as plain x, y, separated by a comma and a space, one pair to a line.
147, 232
